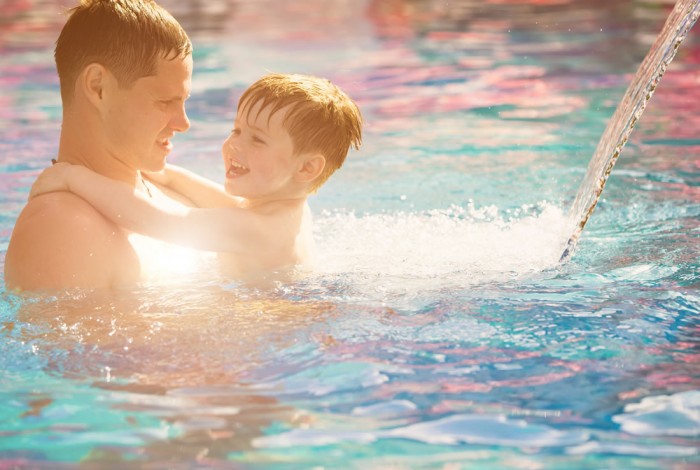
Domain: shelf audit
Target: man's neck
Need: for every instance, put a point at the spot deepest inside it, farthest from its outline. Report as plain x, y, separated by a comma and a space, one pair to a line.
99, 160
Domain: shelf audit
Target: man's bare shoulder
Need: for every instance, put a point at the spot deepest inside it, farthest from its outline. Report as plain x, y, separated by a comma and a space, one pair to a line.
61, 241
50, 206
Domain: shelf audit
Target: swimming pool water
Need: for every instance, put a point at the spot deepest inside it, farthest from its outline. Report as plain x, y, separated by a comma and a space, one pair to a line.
439, 331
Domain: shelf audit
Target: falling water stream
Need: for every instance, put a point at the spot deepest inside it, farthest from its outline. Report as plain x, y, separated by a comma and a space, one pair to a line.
628, 112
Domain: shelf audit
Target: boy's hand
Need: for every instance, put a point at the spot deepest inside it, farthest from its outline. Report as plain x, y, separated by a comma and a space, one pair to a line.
52, 179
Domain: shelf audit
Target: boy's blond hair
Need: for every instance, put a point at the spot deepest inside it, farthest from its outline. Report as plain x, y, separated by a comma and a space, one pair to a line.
125, 36
321, 118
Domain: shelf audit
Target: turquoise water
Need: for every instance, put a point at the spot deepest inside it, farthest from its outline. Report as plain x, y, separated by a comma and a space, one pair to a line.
440, 330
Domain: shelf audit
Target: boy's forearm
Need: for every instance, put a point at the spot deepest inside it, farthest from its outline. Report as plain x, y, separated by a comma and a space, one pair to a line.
204, 229
116, 200
202, 191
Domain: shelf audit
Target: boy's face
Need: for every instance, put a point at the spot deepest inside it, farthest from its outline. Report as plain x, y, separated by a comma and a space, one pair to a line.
259, 155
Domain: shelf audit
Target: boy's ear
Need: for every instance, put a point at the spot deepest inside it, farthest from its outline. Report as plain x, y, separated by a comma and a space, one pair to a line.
311, 168
92, 82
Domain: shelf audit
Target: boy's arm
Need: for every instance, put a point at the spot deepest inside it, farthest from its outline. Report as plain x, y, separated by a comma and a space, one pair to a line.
201, 191
219, 229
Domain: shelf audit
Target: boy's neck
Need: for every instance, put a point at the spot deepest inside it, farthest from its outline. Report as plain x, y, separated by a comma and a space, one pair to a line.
272, 205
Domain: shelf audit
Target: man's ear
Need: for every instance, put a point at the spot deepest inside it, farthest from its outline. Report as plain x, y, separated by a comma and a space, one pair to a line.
311, 168
92, 83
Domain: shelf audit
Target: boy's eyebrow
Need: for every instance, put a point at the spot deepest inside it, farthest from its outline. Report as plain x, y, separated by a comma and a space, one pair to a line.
259, 129
255, 128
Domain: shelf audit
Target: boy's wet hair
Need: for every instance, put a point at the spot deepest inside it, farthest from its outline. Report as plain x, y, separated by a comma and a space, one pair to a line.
125, 36
320, 117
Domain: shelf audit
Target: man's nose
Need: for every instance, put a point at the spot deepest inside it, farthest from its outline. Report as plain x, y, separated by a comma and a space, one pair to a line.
180, 122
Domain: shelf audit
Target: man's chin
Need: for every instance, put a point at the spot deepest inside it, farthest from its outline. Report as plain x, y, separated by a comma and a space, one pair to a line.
154, 167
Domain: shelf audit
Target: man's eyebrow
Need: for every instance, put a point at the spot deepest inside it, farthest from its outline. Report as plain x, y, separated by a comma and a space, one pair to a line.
176, 97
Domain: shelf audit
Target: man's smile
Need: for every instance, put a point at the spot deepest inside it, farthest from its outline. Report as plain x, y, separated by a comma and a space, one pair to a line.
165, 144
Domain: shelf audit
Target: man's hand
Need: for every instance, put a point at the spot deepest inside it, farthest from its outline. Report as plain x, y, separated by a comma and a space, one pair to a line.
52, 179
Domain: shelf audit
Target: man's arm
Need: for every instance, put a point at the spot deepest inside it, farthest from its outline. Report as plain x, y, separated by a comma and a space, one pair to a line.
228, 229
201, 191
59, 242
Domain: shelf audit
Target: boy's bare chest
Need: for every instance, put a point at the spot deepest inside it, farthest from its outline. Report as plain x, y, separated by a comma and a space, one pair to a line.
262, 260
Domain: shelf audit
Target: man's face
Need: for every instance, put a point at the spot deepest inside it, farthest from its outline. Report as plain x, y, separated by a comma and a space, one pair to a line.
259, 155
141, 119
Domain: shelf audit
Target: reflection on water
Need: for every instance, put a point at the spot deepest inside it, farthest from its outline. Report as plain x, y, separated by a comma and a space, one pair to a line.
439, 330
177, 368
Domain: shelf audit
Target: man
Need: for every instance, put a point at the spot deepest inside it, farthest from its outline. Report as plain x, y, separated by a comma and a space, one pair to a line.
125, 69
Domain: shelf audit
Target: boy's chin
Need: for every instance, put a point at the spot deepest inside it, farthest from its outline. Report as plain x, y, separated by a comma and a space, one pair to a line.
234, 189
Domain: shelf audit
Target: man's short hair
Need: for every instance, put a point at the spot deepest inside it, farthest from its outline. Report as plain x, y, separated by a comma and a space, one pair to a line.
321, 117
125, 36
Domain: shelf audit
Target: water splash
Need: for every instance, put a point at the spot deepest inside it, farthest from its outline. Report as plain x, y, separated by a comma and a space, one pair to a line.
437, 249
679, 22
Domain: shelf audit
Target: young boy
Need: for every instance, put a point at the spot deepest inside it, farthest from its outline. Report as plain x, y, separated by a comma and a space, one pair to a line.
290, 134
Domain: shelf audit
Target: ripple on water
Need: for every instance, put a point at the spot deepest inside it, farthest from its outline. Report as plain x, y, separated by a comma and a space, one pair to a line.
456, 429
664, 415
329, 379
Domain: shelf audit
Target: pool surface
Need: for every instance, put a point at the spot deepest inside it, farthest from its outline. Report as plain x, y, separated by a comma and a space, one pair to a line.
439, 330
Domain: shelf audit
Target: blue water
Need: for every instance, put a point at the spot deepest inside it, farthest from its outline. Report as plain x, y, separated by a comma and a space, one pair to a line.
440, 331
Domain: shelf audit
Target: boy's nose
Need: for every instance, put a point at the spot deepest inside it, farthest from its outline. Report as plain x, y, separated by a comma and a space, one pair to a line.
230, 143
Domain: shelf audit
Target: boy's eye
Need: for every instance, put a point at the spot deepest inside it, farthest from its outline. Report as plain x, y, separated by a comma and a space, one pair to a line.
235, 131
258, 140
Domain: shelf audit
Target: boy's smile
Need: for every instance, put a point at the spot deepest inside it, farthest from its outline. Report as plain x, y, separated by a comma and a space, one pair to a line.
236, 169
